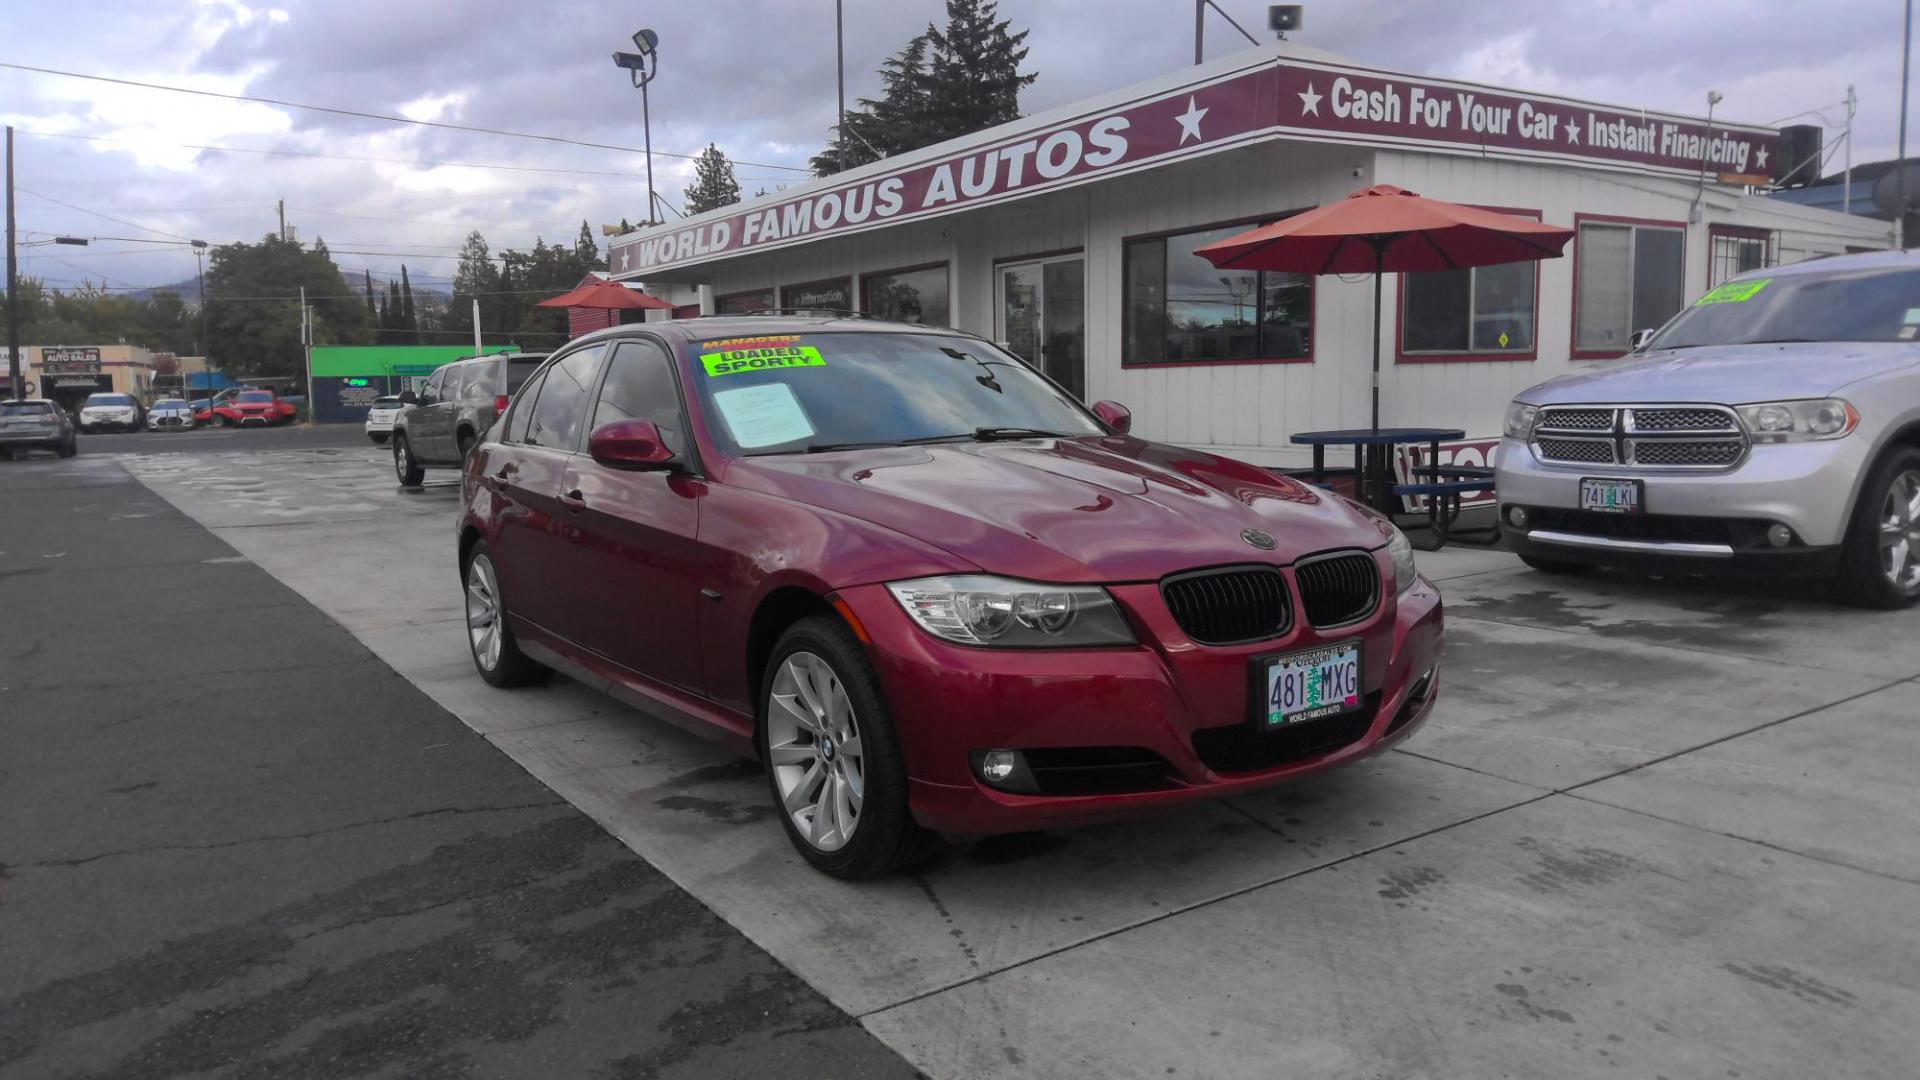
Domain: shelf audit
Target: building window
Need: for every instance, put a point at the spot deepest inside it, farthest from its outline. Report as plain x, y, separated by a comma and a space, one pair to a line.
834, 294
1181, 309
741, 303
1630, 277
1736, 251
1484, 310
915, 296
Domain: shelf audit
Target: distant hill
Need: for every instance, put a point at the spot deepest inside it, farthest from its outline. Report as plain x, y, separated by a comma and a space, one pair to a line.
434, 297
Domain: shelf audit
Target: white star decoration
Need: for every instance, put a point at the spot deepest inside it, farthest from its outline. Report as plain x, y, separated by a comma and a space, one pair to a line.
1573, 133
1190, 122
1760, 158
1310, 101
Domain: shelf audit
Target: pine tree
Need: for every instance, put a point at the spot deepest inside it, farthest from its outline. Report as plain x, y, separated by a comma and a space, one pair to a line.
586, 249
409, 321
713, 183
372, 312
383, 323
390, 326
943, 84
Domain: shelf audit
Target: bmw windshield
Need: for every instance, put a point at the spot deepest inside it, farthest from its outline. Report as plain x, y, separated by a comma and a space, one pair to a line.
795, 393
1881, 304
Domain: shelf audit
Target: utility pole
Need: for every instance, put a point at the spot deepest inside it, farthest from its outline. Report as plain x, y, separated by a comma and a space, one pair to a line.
1900, 170
282, 205
840, 68
1199, 30
1846, 186
16, 379
478, 349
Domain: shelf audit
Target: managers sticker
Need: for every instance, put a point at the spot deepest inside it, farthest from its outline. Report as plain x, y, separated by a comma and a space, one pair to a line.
1734, 292
762, 358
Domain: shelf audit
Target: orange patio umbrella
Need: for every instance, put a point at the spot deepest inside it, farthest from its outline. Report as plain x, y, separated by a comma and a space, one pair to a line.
1387, 230
606, 294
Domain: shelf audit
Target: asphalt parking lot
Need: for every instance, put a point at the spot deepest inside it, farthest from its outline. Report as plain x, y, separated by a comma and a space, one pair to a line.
1656, 828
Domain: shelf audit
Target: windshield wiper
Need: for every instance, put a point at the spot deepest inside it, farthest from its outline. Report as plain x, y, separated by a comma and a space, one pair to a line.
991, 434
824, 448
1778, 341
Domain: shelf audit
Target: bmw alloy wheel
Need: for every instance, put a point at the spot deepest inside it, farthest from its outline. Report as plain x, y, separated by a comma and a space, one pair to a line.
483, 612
1900, 531
814, 750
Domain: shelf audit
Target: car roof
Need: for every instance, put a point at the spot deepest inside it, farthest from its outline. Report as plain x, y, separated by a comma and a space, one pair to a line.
1839, 264
708, 327
26, 401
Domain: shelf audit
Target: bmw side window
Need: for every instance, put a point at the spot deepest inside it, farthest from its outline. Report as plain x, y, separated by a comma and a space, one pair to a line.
640, 386
560, 412
522, 413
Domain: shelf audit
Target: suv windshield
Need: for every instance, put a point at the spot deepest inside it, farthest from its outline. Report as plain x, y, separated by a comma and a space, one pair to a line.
1863, 305
25, 408
789, 393
109, 399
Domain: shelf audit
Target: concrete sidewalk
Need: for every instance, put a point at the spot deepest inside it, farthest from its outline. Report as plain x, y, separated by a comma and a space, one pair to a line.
235, 843
1655, 828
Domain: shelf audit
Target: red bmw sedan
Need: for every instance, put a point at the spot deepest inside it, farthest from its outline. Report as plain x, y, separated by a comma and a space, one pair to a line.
931, 591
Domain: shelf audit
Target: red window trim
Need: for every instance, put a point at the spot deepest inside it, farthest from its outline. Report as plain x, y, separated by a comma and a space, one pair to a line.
1523, 356
1313, 298
943, 264
771, 290
838, 279
1573, 302
1770, 237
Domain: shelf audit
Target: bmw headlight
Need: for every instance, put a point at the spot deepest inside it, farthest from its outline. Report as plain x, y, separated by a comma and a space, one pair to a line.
1520, 417
1799, 421
979, 609
1400, 550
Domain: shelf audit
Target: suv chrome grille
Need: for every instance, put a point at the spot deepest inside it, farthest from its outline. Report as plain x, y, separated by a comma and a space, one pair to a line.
1594, 451
1337, 589
1641, 436
1229, 605
1577, 419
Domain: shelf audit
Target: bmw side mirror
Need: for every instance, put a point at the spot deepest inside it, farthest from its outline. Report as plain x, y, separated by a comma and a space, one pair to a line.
1114, 415
634, 445
1640, 339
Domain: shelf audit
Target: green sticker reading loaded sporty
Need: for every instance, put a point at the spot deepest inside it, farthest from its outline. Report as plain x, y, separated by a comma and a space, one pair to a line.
1734, 292
733, 361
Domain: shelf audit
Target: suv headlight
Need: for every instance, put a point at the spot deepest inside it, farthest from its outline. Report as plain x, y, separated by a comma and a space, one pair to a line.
1520, 417
1799, 421
979, 609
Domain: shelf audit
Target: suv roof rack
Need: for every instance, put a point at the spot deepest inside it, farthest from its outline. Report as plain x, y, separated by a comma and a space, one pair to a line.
837, 313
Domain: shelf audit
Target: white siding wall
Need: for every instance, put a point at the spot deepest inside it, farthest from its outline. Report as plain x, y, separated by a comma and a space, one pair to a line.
1249, 410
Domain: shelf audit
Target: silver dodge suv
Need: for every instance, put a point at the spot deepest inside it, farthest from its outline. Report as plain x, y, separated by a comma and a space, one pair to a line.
1771, 427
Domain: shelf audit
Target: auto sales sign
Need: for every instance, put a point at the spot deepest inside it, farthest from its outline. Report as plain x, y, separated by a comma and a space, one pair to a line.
1278, 98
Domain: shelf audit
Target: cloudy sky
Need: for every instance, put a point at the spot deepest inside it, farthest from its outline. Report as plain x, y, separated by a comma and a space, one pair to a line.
754, 76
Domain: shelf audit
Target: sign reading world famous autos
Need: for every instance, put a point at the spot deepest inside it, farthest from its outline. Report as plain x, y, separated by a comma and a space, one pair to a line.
1280, 98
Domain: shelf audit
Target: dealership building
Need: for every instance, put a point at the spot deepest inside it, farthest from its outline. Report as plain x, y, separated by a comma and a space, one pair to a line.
69, 373
1068, 236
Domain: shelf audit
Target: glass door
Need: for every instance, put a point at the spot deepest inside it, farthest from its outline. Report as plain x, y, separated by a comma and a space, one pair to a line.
1042, 317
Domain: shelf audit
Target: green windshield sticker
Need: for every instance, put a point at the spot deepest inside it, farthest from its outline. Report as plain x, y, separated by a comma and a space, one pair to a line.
1734, 292
769, 358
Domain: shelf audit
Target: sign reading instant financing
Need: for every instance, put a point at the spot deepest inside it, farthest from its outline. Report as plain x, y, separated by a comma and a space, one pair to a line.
1281, 98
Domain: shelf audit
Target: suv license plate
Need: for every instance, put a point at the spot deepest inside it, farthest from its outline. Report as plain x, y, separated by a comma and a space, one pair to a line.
1612, 496
1309, 685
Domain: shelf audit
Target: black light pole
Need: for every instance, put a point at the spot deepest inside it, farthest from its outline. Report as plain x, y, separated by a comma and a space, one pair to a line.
199, 335
840, 68
641, 66
16, 380
1900, 171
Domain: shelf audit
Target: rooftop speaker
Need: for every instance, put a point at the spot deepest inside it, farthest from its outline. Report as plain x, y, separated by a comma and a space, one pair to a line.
1284, 18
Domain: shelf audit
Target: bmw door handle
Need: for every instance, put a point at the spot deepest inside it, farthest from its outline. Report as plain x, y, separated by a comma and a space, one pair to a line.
574, 501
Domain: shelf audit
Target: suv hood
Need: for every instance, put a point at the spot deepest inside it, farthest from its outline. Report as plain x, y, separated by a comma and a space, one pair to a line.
1103, 508
1730, 374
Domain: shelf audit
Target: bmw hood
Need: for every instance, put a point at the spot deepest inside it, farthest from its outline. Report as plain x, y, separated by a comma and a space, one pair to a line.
1105, 509
1729, 374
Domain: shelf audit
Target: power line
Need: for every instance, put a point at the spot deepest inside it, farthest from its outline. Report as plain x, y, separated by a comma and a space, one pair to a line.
346, 157
103, 217
373, 116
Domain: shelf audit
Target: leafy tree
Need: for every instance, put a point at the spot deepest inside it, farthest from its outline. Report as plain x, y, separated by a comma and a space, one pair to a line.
713, 183
253, 311
943, 84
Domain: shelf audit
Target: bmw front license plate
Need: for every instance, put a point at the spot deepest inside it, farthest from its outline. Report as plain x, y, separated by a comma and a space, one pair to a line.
1310, 685
1612, 496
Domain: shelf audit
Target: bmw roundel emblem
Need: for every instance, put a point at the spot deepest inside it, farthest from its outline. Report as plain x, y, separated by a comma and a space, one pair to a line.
1258, 539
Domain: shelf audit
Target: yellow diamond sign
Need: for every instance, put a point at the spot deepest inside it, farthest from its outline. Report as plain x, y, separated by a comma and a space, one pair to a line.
1503, 339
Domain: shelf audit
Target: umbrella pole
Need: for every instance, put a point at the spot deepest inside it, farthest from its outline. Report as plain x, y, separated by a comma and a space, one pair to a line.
1377, 275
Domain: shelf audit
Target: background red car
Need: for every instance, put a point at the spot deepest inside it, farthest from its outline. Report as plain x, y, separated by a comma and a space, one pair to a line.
925, 586
249, 408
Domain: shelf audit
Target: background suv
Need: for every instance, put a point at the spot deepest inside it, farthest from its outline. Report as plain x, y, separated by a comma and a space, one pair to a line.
36, 424
1773, 426
111, 412
457, 406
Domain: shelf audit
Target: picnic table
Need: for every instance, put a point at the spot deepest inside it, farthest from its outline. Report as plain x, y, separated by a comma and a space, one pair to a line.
1370, 447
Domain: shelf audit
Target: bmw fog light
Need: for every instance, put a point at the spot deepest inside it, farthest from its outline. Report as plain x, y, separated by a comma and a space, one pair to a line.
1004, 769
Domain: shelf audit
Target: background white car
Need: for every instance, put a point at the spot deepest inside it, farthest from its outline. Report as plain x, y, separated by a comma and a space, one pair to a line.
170, 414
380, 417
